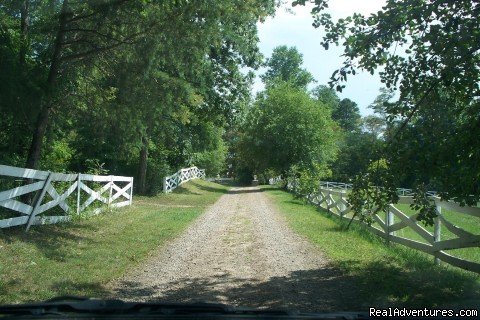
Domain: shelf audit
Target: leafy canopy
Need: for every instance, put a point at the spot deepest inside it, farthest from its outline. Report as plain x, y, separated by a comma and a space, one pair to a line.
287, 127
285, 64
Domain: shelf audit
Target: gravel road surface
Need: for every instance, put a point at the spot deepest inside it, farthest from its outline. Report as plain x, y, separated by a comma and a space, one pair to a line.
240, 252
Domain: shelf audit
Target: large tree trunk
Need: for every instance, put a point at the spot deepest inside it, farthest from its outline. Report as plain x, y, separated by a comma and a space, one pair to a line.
34, 152
142, 172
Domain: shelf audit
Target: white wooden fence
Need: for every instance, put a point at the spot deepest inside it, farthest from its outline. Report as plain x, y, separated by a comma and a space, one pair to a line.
388, 224
275, 180
348, 186
114, 191
182, 176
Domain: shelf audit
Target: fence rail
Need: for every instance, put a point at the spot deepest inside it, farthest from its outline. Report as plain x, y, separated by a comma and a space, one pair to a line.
170, 183
52, 189
387, 225
348, 186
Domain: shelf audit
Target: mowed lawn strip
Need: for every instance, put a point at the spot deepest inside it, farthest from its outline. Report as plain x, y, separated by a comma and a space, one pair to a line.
78, 258
386, 275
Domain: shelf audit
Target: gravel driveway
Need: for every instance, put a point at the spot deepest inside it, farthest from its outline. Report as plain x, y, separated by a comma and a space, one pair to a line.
240, 252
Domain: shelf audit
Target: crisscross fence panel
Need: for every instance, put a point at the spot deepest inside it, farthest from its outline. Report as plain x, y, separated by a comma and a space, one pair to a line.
170, 183
444, 241
41, 197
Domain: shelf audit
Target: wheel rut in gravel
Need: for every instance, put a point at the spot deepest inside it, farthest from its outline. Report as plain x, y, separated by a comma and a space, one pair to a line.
240, 252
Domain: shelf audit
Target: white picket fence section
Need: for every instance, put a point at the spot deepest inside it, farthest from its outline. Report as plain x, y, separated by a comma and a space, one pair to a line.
41, 183
180, 177
334, 200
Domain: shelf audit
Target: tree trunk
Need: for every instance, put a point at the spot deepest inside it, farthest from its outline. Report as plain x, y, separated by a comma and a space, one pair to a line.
142, 172
34, 152
24, 31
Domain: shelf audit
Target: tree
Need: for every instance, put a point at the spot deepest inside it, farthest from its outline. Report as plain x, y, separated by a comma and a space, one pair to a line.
347, 115
382, 102
374, 125
357, 150
285, 64
286, 128
377, 123
79, 31
327, 96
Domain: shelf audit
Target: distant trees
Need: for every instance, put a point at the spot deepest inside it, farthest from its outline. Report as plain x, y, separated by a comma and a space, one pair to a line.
285, 65
347, 115
327, 96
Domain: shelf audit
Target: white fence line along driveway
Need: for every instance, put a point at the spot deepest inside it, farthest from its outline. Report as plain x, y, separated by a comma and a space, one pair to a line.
180, 177
73, 193
334, 200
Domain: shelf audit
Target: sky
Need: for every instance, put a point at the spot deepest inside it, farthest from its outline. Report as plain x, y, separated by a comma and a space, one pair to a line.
295, 29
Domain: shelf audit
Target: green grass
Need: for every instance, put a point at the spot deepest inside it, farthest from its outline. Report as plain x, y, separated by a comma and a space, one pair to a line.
78, 258
385, 275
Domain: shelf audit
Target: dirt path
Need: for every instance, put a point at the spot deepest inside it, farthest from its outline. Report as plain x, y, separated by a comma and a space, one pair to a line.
242, 253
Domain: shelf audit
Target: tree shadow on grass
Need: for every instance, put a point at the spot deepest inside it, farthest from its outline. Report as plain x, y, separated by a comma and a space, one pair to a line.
83, 289
185, 191
385, 284
244, 190
208, 188
53, 241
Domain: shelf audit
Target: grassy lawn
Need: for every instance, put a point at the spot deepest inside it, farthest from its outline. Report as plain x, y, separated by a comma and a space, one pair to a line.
78, 258
386, 275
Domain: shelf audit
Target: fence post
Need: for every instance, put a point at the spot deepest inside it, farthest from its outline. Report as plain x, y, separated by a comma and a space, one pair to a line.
38, 202
327, 201
131, 192
342, 205
110, 192
79, 189
389, 220
165, 185
437, 230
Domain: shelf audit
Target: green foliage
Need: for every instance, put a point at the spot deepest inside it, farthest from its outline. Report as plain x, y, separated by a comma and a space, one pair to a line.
356, 151
285, 65
347, 114
306, 181
58, 157
95, 167
327, 96
212, 161
286, 127
424, 205
373, 192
